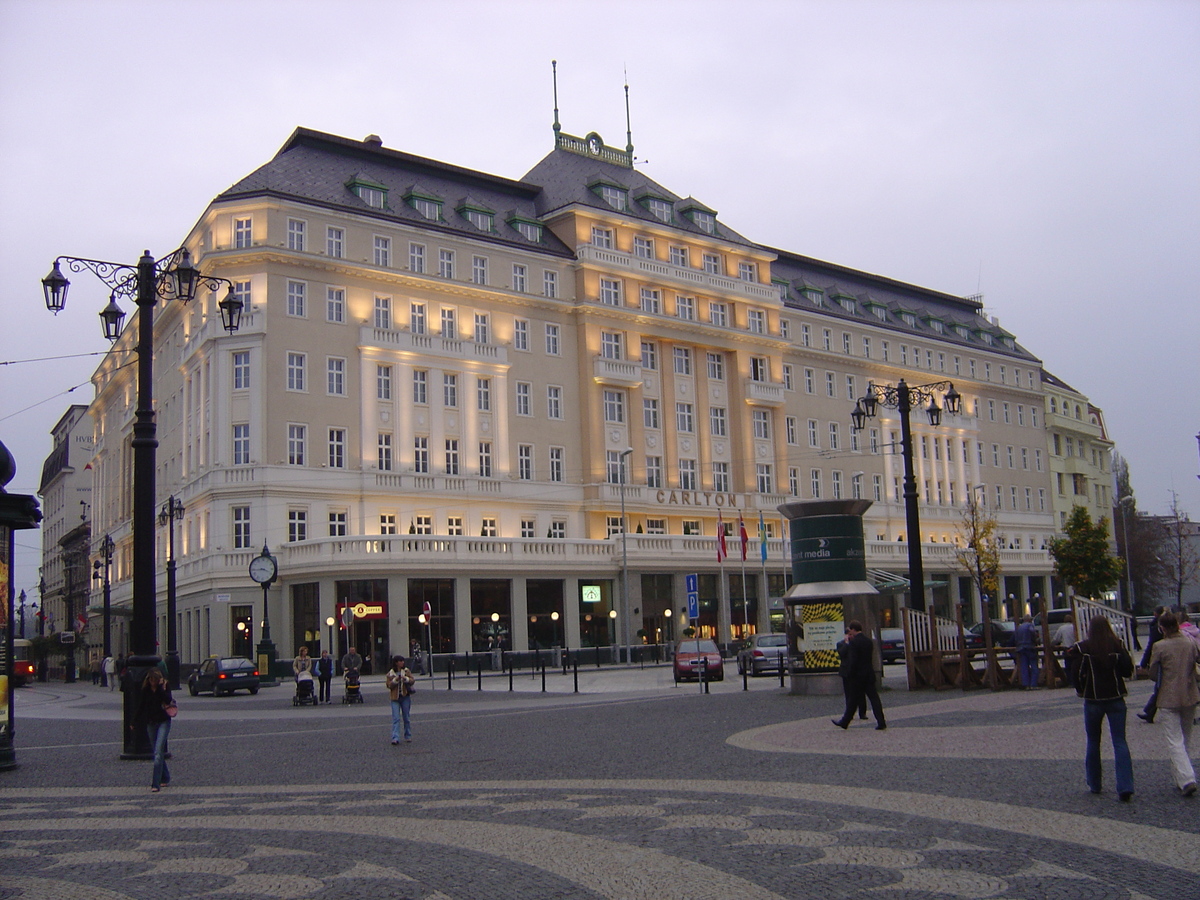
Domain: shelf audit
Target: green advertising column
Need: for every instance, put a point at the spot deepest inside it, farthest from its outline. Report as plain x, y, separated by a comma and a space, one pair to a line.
829, 589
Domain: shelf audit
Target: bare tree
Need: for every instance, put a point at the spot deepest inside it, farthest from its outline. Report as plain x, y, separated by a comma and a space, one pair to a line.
1178, 550
979, 555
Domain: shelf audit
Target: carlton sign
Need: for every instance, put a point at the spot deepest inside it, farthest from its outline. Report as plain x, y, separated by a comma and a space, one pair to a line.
698, 499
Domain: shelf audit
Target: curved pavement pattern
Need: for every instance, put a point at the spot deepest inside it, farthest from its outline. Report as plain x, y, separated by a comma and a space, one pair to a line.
616, 838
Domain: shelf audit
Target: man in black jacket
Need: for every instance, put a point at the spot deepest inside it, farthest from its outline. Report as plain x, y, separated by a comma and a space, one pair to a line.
860, 678
1151, 707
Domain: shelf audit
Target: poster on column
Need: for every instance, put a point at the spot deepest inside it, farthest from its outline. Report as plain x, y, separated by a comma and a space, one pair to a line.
823, 623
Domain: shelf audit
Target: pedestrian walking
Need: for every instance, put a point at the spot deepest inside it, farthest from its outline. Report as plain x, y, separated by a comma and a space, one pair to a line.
1173, 662
119, 667
400, 684
324, 667
155, 710
1101, 666
861, 677
843, 650
1025, 643
109, 667
1151, 707
1064, 636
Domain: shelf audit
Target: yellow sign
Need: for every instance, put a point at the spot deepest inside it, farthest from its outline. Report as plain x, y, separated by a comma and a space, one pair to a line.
362, 610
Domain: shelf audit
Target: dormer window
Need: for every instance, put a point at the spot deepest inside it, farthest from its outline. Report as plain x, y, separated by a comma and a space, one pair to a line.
660, 209
705, 221
782, 287
849, 304
1008, 342
986, 337
426, 205
531, 231
878, 310
369, 192
908, 319
814, 296
935, 325
614, 197
481, 217
961, 330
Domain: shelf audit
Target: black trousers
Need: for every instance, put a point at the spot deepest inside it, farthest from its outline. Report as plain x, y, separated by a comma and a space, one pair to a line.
324, 680
862, 699
858, 692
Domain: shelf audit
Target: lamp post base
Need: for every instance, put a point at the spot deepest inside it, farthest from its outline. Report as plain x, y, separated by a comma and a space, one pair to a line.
135, 738
265, 657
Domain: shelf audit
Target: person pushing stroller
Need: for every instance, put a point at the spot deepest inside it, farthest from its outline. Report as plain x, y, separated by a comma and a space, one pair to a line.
351, 673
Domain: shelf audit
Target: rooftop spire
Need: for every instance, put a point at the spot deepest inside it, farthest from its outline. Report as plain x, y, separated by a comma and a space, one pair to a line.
554, 71
628, 128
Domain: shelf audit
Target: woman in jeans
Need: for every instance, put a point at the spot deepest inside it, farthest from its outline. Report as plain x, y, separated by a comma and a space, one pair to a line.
152, 715
1100, 665
399, 683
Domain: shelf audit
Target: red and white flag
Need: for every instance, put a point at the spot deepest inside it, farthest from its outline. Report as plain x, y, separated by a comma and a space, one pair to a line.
742, 534
721, 551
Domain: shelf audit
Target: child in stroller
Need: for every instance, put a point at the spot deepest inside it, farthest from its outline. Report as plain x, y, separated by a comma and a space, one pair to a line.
302, 668
351, 666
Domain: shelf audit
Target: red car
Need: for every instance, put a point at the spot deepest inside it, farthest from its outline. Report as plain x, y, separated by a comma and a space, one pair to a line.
693, 657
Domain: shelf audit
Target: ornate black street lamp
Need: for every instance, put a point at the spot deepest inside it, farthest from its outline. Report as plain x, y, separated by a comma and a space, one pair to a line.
171, 510
106, 557
171, 278
901, 398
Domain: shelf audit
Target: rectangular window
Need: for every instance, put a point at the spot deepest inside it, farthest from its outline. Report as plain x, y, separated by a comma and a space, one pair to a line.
452, 467
836, 485
756, 321
449, 390
654, 471
845, 343
296, 231
873, 438
716, 366
718, 314
650, 412
793, 481
454, 526
788, 380
297, 292
519, 278
1025, 458
809, 381
1037, 459
383, 452
764, 479
656, 526
611, 345
760, 369
830, 384
643, 247
553, 402
416, 318
295, 371
449, 323
835, 440
712, 264
445, 263
791, 430
613, 467
416, 258
241, 370
423, 525
335, 305
335, 243
682, 357
241, 445
720, 472
483, 328
877, 488
556, 467
716, 421
485, 459
483, 394
762, 424
996, 455
826, 338
241, 527
296, 438
602, 237
420, 382
520, 334
851, 393
678, 256
685, 308
335, 377
297, 525
382, 247
528, 528
242, 233
549, 284
748, 271
479, 269
649, 355
1033, 416
805, 335
552, 332
814, 439
524, 389
610, 291
1004, 408
421, 455
525, 462
684, 420
614, 407
687, 474
613, 525
651, 301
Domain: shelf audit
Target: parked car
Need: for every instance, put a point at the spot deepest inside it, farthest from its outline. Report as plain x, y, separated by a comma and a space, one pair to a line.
224, 675
1003, 634
1055, 616
763, 653
891, 644
693, 656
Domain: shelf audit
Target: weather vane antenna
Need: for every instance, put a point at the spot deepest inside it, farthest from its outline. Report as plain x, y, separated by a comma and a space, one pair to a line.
554, 71
628, 127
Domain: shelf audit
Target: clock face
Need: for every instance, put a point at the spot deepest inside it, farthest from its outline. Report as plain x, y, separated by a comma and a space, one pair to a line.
594, 143
262, 569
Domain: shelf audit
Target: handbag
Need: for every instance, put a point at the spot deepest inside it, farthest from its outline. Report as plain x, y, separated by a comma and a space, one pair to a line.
171, 709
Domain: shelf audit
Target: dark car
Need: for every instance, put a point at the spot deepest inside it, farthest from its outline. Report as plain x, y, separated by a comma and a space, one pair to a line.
763, 653
224, 675
1055, 616
1003, 634
693, 657
891, 644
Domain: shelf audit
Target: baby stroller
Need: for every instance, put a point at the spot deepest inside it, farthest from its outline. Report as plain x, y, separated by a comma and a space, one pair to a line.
304, 690
353, 688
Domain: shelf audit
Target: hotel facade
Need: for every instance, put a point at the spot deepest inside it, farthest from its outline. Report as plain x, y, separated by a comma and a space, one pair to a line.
451, 388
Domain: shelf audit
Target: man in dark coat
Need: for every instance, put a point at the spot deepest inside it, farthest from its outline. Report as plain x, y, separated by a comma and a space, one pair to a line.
860, 677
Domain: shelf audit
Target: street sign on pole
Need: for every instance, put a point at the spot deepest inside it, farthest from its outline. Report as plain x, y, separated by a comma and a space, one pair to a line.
692, 585
347, 616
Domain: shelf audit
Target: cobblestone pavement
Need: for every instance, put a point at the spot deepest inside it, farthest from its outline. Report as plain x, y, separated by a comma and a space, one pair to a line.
633, 788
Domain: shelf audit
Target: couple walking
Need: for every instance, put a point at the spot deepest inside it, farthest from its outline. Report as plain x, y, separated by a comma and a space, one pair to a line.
857, 669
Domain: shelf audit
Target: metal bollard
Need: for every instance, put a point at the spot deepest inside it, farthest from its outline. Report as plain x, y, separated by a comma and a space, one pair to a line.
510, 676
783, 663
543, 678
577, 673
703, 671
746, 678
450, 674
479, 673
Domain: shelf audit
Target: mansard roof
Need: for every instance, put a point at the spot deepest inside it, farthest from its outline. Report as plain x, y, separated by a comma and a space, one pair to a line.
318, 168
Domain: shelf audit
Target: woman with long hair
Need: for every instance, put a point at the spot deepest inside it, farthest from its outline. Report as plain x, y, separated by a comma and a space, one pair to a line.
152, 714
1100, 666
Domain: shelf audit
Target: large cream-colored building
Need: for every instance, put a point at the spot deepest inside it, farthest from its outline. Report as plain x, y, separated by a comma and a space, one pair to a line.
1080, 453
447, 384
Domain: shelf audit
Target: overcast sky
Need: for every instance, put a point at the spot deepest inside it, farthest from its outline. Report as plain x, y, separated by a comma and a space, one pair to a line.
1045, 154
